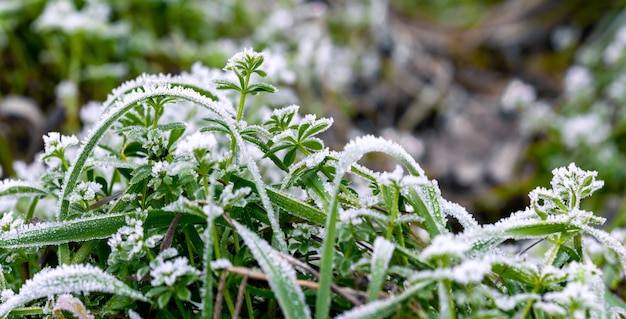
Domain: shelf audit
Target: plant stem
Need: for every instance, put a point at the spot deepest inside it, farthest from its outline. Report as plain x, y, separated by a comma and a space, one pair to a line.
242, 98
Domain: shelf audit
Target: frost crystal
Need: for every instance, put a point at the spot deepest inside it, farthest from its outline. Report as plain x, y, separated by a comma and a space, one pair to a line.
248, 54
471, 271
446, 244
391, 178
129, 241
221, 264
85, 191
67, 279
55, 142
197, 142
169, 271
550, 308
574, 179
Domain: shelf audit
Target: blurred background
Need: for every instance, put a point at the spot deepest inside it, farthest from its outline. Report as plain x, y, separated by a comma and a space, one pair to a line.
488, 95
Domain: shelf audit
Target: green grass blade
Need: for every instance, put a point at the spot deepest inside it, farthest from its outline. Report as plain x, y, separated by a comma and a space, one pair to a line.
83, 229
382, 308
17, 188
290, 205
383, 249
280, 275
54, 233
67, 279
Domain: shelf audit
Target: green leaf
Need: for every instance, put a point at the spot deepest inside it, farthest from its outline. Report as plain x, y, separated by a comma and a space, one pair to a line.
290, 205
54, 233
77, 279
226, 85
313, 144
83, 229
383, 249
290, 157
280, 275
16, 188
261, 87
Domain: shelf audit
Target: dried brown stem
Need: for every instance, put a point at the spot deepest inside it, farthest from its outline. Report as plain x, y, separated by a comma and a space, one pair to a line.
240, 296
220, 296
169, 235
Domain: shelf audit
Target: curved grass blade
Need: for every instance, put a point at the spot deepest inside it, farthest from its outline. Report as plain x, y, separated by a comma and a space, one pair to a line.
165, 90
17, 188
280, 275
54, 233
382, 308
67, 279
354, 151
383, 249
83, 229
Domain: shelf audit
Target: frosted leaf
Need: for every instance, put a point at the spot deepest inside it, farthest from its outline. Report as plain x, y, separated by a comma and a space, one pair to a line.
6, 294
507, 303
123, 105
355, 149
471, 271
243, 58
545, 202
197, 142
460, 214
573, 179
280, 275
212, 211
17, 188
383, 250
608, 240
221, 263
85, 191
574, 293
382, 307
353, 215
167, 272
391, 178
73, 305
55, 142
66, 279
285, 114
446, 245
550, 308
408, 218
230, 197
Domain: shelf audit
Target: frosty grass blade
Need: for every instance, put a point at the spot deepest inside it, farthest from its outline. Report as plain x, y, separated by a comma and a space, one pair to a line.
67, 279
280, 275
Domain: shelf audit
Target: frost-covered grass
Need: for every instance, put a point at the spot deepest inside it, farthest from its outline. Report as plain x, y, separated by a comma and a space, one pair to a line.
172, 204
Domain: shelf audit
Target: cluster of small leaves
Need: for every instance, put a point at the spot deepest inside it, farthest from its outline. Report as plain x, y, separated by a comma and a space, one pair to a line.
236, 219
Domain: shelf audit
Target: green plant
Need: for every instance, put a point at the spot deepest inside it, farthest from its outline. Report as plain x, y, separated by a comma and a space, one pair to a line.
174, 206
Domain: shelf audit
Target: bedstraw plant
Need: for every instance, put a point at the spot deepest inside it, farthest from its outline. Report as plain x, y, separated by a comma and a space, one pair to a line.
173, 205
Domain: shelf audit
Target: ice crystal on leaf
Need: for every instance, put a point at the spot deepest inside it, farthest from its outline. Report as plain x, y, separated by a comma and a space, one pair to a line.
167, 271
446, 245
67, 279
574, 183
85, 191
246, 57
